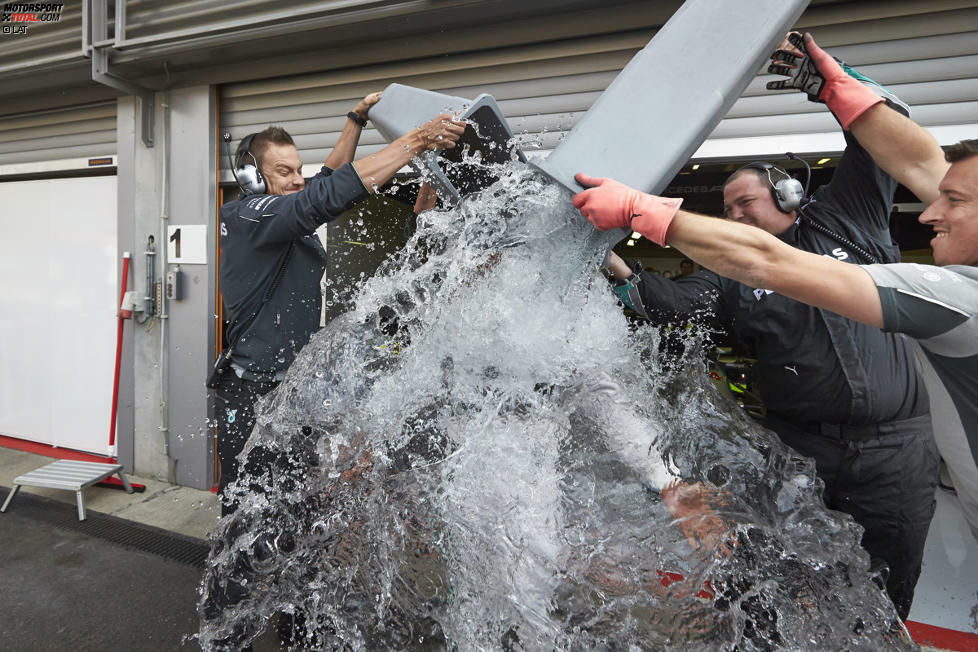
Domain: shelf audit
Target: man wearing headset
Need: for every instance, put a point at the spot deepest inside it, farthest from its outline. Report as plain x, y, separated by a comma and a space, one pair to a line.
272, 261
844, 393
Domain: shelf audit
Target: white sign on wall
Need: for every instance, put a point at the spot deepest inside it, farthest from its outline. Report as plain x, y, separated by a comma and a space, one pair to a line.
186, 244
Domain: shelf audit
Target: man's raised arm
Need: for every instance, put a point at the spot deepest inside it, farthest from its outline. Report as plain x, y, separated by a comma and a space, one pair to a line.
902, 148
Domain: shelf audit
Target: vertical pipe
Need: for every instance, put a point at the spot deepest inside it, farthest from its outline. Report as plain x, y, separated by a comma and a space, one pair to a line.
120, 22
150, 277
118, 355
86, 27
164, 316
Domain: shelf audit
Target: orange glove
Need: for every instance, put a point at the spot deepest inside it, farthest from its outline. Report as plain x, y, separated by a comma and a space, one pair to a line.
608, 204
845, 96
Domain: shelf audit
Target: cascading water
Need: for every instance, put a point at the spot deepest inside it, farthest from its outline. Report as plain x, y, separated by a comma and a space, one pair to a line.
482, 455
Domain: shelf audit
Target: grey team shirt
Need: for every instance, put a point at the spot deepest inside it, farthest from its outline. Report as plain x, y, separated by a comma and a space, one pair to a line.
938, 307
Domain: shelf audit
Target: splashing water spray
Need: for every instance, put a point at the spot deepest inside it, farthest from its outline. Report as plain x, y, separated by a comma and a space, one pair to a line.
481, 455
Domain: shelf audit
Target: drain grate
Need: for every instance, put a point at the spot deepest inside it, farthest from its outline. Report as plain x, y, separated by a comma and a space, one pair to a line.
128, 534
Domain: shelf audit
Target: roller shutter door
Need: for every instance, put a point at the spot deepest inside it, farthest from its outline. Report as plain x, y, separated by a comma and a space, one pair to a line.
63, 139
926, 53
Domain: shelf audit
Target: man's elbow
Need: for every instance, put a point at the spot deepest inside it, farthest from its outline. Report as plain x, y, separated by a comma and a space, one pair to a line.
756, 265
760, 273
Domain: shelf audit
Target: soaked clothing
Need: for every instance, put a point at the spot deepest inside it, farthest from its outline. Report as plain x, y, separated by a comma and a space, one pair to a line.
256, 234
235, 410
938, 307
825, 379
886, 483
262, 235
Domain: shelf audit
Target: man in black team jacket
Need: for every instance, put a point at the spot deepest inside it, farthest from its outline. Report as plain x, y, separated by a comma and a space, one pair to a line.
272, 261
844, 393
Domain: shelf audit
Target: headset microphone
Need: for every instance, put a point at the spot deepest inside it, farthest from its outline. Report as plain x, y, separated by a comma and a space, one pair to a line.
808, 169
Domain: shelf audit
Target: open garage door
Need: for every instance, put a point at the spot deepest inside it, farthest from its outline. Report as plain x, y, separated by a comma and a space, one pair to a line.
58, 302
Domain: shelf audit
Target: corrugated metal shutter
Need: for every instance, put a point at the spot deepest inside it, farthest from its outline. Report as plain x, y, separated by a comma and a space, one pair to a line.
151, 21
148, 20
46, 43
65, 134
924, 53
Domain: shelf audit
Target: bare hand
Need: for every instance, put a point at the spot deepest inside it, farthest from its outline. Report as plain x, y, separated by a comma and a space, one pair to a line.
441, 133
695, 508
363, 106
427, 198
618, 267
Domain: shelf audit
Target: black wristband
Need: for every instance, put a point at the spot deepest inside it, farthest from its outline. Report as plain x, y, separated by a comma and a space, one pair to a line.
357, 118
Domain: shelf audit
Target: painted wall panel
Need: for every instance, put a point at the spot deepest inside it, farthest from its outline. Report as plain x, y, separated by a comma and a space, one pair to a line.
58, 302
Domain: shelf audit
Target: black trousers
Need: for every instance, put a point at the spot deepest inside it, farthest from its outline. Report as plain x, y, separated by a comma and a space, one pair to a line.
887, 485
236, 418
235, 412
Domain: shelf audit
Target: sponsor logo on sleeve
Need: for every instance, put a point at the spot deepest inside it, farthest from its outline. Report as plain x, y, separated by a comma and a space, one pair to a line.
260, 203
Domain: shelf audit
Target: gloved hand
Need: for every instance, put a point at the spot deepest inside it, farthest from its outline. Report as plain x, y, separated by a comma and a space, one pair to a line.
608, 204
822, 77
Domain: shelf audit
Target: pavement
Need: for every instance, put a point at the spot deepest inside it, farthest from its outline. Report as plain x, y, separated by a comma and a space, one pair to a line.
190, 512
112, 582
126, 579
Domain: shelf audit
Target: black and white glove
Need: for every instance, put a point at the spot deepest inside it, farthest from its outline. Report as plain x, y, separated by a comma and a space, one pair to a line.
800, 70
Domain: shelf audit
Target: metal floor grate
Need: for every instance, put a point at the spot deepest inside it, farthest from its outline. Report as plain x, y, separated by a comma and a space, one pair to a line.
129, 534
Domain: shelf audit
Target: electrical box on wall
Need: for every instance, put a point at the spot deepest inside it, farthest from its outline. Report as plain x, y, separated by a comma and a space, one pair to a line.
186, 244
174, 285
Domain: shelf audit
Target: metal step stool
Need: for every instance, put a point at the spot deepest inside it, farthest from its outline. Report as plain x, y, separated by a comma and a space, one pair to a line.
70, 475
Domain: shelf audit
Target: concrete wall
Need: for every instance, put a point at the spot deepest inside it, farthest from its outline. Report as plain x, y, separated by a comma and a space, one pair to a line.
178, 419
140, 448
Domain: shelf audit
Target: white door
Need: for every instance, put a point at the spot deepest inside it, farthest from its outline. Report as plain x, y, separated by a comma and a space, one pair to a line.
58, 303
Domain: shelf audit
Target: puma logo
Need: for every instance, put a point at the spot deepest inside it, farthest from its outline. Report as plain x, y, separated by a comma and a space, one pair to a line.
793, 370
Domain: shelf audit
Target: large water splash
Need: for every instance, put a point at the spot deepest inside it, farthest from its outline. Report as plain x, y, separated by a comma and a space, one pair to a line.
482, 455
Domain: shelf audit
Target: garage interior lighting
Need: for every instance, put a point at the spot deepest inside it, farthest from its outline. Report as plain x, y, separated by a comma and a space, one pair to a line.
696, 166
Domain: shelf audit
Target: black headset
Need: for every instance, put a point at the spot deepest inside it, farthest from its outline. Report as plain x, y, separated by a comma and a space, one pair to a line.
788, 193
248, 175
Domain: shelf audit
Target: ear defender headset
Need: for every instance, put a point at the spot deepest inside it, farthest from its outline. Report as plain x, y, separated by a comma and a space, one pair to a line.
248, 175
788, 193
